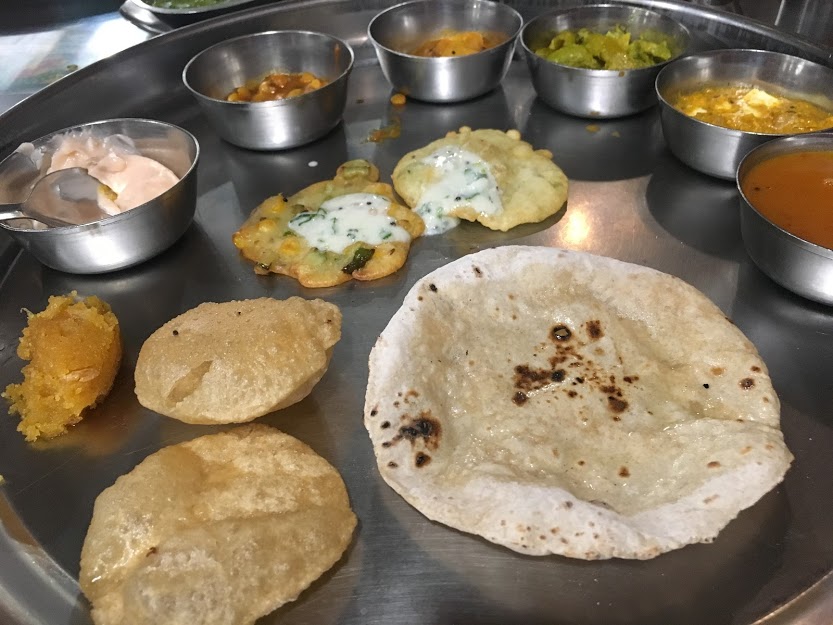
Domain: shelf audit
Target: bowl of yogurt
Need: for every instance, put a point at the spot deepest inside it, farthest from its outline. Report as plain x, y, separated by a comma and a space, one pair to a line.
146, 171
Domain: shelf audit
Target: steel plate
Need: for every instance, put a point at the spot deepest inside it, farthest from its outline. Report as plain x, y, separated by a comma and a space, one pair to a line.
629, 199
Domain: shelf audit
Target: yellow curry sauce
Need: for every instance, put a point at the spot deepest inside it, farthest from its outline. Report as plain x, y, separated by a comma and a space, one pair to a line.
752, 110
276, 86
459, 43
795, 192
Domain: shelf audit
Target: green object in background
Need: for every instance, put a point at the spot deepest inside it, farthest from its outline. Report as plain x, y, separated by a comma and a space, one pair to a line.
613, 50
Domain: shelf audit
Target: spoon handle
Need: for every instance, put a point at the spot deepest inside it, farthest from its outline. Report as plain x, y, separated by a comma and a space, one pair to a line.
6, 215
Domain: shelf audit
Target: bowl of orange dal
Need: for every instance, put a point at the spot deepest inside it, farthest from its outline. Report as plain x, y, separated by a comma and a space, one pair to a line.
441, 51
147, 174
717, 106
786, 189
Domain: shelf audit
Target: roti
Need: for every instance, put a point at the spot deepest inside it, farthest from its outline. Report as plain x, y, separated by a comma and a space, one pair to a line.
219, 530
487, 175
575, 405
236, 361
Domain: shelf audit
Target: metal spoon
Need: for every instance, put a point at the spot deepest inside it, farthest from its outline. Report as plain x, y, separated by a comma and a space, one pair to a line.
67, 197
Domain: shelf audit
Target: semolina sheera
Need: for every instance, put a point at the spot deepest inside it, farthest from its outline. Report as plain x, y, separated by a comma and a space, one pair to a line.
74, 349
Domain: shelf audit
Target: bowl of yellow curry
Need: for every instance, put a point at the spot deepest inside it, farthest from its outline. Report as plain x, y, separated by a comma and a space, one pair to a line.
717, 106
272, 90
601, 60
440, 51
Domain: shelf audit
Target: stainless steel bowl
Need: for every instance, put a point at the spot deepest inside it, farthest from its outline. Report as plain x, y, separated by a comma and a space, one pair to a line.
443, 79
598, 92
133, 236
715, 150
276, 125
796, 264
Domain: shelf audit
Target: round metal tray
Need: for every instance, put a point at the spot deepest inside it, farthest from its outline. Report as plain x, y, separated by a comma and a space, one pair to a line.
629, 199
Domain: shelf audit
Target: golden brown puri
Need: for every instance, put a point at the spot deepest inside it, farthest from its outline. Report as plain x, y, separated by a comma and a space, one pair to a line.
236, 361
219, 530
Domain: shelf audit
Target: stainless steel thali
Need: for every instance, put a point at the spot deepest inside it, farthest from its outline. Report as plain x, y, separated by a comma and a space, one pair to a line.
629, 199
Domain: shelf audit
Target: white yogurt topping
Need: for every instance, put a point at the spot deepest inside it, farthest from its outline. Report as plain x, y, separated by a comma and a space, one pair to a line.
466, 181
115, 162
346, 219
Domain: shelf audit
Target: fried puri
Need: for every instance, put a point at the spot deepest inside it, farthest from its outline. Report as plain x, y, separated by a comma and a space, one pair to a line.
236, 361
220, 530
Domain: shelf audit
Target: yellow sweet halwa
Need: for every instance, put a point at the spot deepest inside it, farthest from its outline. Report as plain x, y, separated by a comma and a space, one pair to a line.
74, 349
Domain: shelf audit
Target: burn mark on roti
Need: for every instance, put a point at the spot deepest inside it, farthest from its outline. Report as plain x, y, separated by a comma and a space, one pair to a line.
385, 425
561, 333
624, 472
756, 368
392, 464
424, 427
746, 383
714, 464
717, 370
421, 459
519, 398
477, 272
433, 287
374, 412
151, 552
616, 405
594, 329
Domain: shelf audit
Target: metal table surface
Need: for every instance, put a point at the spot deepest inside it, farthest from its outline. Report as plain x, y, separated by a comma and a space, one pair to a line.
629, 199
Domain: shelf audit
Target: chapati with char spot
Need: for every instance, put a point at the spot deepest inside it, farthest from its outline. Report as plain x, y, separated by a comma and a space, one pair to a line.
559, 402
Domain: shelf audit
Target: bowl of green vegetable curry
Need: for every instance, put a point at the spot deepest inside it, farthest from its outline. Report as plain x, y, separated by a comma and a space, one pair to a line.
600, 60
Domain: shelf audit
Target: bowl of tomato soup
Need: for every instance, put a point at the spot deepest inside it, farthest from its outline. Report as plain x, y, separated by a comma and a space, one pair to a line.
786, 189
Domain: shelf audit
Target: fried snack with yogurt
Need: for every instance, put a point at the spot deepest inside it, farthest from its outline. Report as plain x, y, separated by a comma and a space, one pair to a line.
332, 231
488, 176
220, 530
236, 361
74, 349
559, 402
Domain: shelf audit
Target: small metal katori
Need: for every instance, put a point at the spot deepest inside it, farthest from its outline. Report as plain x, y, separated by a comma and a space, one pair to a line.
795, 263
274, 124
599, 93
106, 243
715, 150
398, 30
